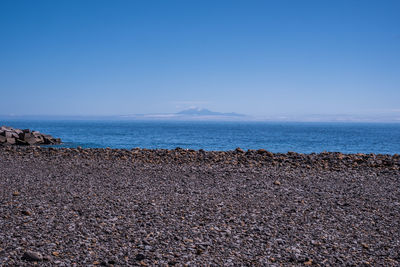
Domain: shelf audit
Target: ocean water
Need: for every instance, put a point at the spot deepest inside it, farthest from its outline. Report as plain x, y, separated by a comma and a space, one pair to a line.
273, 136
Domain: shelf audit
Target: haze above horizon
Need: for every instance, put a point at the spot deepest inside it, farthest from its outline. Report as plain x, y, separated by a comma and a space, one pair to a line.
260, 58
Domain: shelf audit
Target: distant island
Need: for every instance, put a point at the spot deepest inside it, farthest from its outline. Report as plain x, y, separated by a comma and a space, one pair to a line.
206, 112
191, 114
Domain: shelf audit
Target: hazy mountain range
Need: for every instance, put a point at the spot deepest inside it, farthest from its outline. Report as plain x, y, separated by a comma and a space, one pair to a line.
206, 112
191, 114
202, 114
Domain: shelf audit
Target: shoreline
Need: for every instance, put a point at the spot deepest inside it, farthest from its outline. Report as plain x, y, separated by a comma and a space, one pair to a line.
237, 157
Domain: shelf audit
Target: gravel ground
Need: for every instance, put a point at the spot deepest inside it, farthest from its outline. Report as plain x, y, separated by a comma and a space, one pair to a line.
180, 207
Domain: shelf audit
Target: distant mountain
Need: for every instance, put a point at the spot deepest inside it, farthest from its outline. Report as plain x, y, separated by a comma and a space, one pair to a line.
191, 114
206, 112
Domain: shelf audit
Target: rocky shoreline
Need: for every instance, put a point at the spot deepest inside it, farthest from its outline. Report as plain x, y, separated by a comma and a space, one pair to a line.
140, 207
24, 137
238, 157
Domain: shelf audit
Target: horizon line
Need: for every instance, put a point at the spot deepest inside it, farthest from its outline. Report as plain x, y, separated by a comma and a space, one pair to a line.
328, 118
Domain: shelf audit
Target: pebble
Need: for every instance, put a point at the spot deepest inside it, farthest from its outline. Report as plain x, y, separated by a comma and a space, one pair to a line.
32, 256
140, 257
26, 212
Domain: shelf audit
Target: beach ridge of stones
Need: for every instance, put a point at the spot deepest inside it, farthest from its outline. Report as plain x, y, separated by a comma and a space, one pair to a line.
238, 157
25, 137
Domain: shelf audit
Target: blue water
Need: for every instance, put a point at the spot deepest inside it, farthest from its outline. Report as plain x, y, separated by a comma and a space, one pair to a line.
273, 136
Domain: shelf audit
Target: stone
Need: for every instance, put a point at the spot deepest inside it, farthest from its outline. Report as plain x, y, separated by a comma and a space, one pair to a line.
32, 256
21, 135
26, 212
309, 262
261, 151
21, 142
239, 150
269, 154
365, 245
6, 128
39, 139
47, 140
47, 258
140, 257
31, 140
277, 182
11, 141
11, 135
27, 135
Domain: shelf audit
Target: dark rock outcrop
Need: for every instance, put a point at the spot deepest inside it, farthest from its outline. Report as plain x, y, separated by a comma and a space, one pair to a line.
12, 136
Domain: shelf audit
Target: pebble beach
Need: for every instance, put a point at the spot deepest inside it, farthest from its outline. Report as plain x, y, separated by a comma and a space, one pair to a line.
140, 207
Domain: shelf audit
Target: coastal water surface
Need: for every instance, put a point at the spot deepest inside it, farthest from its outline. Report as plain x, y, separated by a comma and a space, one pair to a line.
272, 136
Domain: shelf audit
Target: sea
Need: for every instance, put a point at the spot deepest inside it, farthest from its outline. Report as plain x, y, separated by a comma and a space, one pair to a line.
281, 137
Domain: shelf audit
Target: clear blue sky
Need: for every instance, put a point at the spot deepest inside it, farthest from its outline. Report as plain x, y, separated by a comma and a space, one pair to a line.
253, 57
